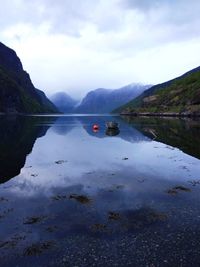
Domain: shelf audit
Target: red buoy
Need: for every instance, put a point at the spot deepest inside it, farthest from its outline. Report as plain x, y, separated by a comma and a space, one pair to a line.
95, 127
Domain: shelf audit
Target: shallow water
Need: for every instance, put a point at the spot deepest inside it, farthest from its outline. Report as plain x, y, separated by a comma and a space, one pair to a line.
70, 196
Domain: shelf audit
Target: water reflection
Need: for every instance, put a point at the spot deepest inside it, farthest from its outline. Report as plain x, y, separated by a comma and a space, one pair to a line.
79, 194
112, 132
17, 137
64, 124
181, 133
126, 133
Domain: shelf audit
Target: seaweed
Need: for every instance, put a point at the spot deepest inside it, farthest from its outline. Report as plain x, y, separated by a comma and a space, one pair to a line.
38, 248
113, 215
33, 220
182, 188
80, 198
60, 161
176, 189
34, 175
59, 197
143, 217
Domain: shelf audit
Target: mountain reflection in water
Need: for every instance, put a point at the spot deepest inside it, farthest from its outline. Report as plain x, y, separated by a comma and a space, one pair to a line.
18, 134
127, 198
17, 137
180, 133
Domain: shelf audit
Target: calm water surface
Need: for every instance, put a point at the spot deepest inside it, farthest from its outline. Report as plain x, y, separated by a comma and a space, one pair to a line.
70, 196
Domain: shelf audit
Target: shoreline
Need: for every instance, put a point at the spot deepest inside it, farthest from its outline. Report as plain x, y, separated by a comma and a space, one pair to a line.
165, 114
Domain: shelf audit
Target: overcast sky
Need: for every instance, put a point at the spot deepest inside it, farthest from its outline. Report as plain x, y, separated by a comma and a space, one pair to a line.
79, 45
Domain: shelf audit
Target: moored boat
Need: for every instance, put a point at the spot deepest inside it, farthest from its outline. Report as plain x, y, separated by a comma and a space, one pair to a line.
112, 125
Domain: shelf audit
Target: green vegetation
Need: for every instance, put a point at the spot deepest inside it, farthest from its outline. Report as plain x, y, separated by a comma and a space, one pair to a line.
181, 95
16, 98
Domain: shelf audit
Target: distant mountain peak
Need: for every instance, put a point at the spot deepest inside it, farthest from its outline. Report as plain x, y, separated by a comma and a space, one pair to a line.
64, 102
103, 100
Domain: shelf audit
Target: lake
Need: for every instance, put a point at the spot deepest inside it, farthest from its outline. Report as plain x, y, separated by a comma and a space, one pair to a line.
72, 196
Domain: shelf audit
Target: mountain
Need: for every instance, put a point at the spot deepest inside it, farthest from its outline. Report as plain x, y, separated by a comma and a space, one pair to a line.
64, 102
17, 93
105, 100
180, 96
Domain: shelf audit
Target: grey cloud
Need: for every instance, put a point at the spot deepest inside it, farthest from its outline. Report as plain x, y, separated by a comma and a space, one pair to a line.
174, 12
143, 5
71, 17
64, 16
102, 30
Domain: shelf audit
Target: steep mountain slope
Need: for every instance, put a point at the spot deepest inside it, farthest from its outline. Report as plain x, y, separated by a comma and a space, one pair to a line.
180, 96
105, 100
17, 93
64, 102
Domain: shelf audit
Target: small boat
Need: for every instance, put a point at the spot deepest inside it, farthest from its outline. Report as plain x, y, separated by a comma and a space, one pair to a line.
112, 125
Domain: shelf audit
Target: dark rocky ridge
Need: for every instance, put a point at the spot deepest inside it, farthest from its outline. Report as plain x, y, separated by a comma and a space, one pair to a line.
17, 92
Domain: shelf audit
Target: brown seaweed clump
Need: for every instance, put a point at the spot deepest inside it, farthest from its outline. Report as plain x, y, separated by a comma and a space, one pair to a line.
179, 188
12, 243
80, 198
182, 188
38, 248
143, 218
113, 215
32, 220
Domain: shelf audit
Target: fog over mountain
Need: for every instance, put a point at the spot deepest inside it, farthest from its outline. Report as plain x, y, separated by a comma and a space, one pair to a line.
105, 100
64, 102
